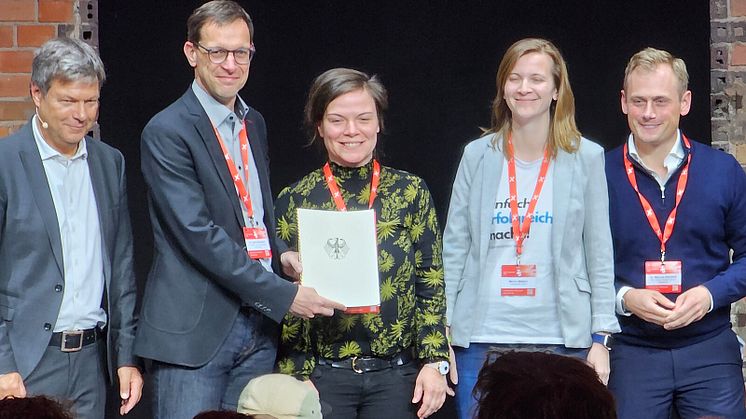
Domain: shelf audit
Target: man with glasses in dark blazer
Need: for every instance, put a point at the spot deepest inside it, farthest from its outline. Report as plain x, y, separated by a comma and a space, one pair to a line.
212, 305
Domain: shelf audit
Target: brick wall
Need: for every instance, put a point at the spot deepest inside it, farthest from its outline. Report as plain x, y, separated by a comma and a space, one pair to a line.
727, 89
24, 25
728, 76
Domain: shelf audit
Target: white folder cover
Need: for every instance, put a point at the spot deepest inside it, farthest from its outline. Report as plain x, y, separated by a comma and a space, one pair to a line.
339, 253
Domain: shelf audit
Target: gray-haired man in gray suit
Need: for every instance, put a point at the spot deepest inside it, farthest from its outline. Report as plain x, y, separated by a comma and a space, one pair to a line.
67, 288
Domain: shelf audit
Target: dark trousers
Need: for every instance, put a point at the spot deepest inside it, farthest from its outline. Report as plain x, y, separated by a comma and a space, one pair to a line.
372, 395
72, 376
698, 380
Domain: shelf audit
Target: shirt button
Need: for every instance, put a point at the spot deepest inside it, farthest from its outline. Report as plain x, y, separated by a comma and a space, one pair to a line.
58, 288
47, 327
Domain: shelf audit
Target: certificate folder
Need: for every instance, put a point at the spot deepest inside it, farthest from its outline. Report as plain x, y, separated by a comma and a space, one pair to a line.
339, 253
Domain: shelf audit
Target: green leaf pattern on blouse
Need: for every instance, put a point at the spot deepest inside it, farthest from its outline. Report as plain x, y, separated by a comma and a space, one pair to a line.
410, 272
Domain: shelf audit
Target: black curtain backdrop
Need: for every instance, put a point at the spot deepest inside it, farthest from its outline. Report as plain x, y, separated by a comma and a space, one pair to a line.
438, 59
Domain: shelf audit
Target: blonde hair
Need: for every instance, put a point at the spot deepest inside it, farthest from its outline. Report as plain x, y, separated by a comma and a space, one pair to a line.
650, 58
563, 132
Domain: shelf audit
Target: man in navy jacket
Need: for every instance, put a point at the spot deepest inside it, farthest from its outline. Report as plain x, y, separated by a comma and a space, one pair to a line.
678, 208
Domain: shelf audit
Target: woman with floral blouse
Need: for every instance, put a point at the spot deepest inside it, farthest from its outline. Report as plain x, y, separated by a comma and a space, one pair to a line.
391, 363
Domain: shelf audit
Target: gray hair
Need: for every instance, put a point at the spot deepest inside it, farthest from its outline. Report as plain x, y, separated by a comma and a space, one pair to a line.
219, 12
66, 59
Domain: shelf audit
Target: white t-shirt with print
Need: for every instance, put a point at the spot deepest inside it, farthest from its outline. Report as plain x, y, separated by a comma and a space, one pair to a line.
520, 319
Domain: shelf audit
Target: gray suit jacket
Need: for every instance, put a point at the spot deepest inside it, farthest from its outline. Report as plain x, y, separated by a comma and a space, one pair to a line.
201, 273
31, 265
581, 240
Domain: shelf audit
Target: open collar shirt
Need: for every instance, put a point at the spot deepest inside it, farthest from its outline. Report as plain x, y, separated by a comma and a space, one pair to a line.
228, 124
69, 182
673, 160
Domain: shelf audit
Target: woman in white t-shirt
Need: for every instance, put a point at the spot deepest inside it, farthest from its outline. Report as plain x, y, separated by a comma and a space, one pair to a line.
516, 282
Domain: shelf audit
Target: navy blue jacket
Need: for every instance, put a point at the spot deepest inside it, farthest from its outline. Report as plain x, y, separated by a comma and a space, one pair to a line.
711, 220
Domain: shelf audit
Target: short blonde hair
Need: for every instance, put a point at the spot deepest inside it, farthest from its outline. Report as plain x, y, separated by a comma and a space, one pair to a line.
650, 58
563, 132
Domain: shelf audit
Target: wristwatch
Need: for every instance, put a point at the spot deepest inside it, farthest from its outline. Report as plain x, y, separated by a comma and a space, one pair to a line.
441, 366
606, 340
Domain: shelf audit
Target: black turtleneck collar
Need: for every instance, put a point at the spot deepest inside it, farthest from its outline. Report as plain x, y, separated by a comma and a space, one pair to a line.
344, 172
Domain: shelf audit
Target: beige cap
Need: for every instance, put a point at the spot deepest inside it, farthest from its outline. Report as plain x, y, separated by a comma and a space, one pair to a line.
280, 396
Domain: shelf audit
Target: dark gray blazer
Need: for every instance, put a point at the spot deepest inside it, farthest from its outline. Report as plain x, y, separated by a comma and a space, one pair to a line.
201, 274
31, 268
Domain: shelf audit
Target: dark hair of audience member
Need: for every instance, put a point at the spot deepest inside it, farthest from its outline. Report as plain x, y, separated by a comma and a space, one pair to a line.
37, 407
223, 414
536, 385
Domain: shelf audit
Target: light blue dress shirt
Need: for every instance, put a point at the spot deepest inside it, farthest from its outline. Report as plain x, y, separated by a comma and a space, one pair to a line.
77, 217
229, 125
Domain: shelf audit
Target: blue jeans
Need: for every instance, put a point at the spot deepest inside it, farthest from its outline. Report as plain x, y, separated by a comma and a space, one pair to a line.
248, 351
470, 360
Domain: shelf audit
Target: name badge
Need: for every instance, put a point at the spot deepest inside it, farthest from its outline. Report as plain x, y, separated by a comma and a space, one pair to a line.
257, 243
664, 277
518, 281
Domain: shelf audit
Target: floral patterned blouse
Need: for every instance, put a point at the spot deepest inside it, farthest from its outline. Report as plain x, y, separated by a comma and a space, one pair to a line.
412, 312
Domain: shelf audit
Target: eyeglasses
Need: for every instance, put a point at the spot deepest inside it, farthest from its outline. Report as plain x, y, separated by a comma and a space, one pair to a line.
219, 55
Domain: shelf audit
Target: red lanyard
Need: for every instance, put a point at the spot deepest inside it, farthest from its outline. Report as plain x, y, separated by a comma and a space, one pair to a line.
521, 230
649, 213
243, 192
337, 195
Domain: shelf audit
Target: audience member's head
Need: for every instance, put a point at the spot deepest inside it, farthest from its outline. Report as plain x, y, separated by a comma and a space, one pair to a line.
37, 407
279, 396
225, 414
535, 385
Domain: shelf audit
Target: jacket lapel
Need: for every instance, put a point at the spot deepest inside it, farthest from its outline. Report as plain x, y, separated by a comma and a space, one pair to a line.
493, 167
260, 159
39, 188
204, 127
564, 171
102, 192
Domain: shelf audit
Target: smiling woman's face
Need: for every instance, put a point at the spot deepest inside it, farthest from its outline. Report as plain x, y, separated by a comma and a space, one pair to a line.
530, 89
350, 128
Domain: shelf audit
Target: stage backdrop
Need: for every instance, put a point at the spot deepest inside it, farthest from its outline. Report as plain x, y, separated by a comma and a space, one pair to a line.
438, 59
